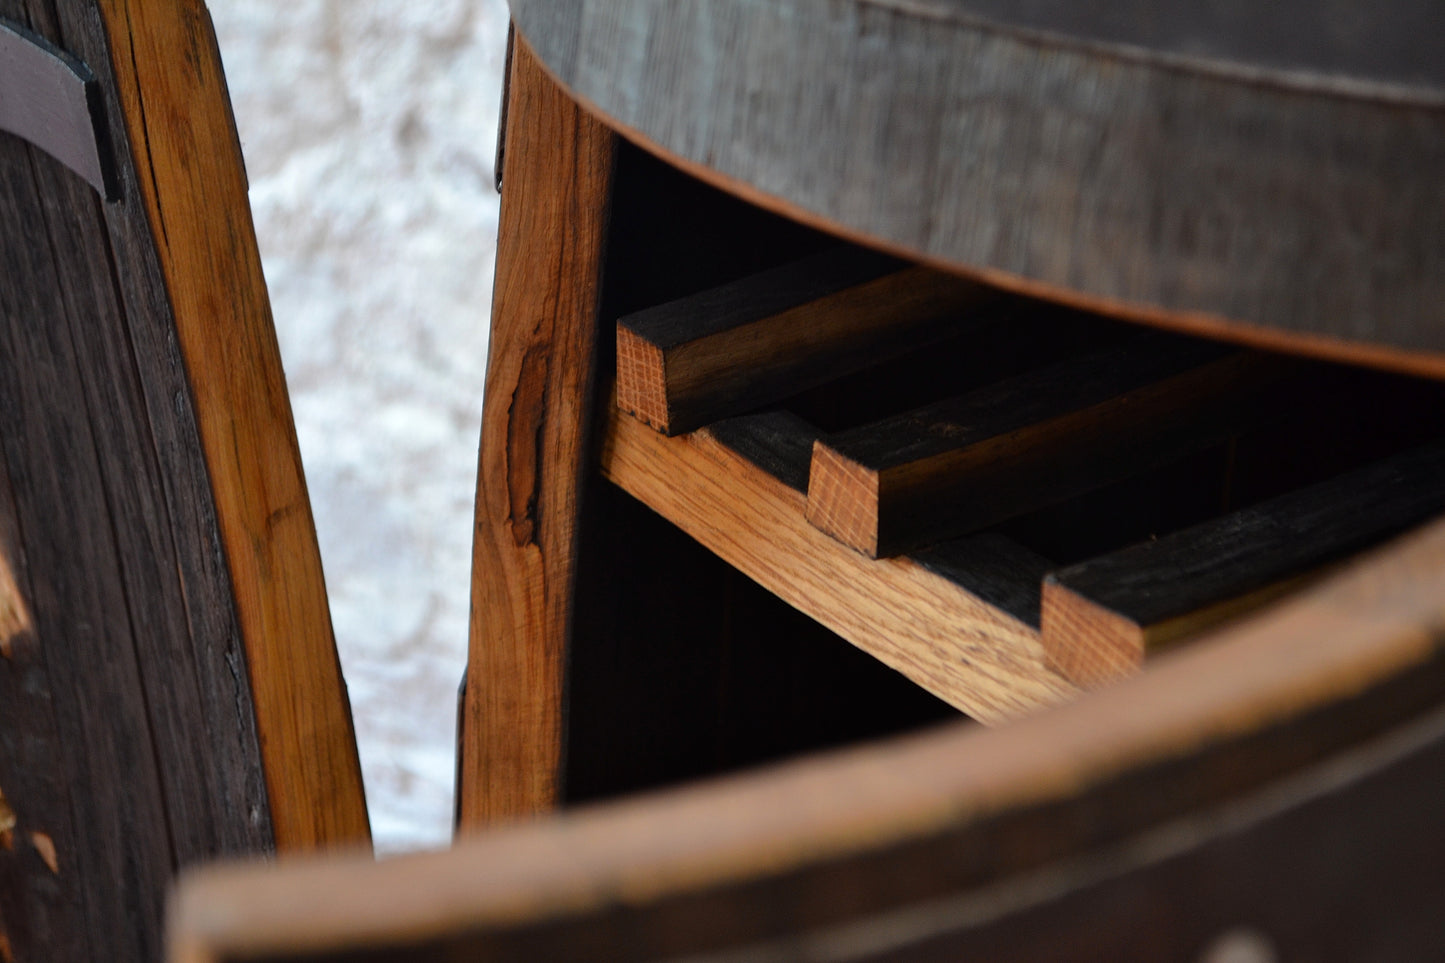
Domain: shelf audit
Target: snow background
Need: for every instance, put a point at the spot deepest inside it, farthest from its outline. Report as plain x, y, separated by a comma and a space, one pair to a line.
368, 128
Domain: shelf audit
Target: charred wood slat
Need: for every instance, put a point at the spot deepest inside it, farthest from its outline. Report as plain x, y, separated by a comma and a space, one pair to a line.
734, 348
1101, 617
971, 461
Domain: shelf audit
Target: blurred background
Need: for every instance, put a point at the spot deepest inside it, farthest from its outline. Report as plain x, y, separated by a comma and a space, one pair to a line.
368, 128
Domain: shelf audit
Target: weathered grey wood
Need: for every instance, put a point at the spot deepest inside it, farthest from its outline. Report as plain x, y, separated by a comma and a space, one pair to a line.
1387, 42
161, 497
53, 100
128, 730
37, 907
1286, 199
120, 853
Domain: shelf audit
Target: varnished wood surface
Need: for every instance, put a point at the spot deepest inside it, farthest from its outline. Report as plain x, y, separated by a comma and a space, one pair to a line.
1250, 200
1102, 616
731, 349
1219, 790
536, 432
977, 657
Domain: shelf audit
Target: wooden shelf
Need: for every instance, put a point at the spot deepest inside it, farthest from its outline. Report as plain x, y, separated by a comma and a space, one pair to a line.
972, 653
957, 470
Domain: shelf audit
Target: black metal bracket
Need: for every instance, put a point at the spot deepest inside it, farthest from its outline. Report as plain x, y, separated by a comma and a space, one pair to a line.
501, 156
53, 100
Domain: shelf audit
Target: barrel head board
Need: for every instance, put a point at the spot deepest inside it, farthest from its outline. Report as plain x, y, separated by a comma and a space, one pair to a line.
169, 687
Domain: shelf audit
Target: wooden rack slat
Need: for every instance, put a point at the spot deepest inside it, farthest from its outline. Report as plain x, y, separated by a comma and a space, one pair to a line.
971, 461
738, 347
890, 532
965, 649
1101, 616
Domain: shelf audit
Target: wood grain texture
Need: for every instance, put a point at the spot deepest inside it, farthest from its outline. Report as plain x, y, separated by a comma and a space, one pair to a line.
993, 567
1027, 442
1103, 616
86, 664
963, 650
732, 349
535, 439
1226, 786
133, 743
189, 187
1285, 207
41, 912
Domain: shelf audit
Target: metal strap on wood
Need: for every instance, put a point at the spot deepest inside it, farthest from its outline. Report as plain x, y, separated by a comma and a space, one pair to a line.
52, 100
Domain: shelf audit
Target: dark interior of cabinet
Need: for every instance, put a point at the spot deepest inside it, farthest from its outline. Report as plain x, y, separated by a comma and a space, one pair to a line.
683, 668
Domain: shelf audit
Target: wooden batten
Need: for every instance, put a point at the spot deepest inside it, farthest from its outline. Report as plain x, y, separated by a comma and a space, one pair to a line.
1101, 618
737, 347
1027, 442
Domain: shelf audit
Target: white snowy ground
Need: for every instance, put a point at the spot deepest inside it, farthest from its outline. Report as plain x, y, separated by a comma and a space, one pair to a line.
368, 128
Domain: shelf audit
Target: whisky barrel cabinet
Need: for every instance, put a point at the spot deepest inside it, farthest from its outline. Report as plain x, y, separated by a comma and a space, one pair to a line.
1067, 371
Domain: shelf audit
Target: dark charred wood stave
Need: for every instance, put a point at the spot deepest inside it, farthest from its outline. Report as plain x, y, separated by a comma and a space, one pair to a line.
735, 348
1102, 616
